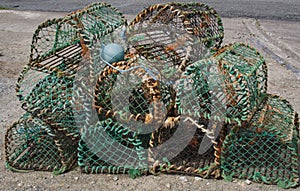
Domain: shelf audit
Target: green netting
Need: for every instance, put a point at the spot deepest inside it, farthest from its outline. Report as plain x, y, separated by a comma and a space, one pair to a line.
197, 19
81, 28
184, 155
108, 147
59, 49
48, 87
266, 149
227, 87
30, 144
50, 100
140, 92
128, 95
166, 107
210, 95
143, 103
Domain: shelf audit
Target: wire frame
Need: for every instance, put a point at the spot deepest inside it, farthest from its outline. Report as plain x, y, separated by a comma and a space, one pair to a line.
266, 149
30, 144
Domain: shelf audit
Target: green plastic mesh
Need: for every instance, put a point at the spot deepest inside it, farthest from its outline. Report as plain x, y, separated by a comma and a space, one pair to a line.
266, 149
148, 91
190, 160
51, 101
30, 144
210, 95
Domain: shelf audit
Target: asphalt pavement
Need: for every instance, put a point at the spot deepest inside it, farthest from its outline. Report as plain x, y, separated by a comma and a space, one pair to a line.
260, 9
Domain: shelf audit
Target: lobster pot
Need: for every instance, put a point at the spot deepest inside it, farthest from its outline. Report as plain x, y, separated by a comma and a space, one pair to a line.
266, 149
135, 95
58, 44
56, 39
108, 147
62, 101
30, 144
51, 101
59, 50
226, 88
181, 150
211, 95
188, 30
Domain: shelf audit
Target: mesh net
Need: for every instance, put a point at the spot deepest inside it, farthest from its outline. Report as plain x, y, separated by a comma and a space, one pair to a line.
266, 150
108, 147
175, 103
55, 38
140, 93
50, 100
150, 93
59, 49
48, 86
211, 95
227, 87
30, 144
145, 105
188, 30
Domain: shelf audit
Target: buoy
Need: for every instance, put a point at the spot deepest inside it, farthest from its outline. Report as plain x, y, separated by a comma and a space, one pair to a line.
112, 53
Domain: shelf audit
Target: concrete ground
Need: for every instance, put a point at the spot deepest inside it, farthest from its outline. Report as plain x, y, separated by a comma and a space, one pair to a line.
278, 41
